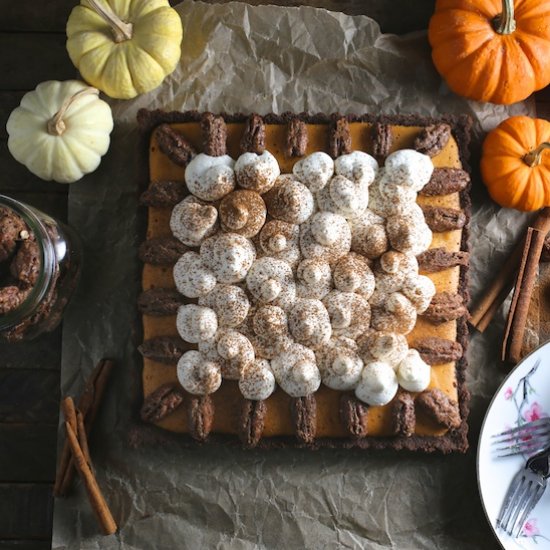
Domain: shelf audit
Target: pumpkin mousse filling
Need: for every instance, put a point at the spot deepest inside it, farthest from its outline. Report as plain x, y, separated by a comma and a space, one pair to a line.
298, 303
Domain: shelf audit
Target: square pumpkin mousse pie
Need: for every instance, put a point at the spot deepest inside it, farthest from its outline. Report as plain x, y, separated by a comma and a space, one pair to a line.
305, 279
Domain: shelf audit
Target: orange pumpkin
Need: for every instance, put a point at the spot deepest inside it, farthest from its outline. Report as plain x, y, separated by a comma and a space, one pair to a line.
515, 163
492, 50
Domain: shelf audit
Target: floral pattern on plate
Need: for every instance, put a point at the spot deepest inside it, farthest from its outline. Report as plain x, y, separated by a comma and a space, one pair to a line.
520, 399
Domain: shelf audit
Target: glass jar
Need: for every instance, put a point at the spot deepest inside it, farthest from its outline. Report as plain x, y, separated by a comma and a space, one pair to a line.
36, 280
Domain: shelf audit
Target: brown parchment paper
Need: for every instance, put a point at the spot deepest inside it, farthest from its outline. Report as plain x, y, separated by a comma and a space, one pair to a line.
166, 496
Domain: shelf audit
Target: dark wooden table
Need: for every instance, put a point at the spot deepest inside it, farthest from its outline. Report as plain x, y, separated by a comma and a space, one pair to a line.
32, 49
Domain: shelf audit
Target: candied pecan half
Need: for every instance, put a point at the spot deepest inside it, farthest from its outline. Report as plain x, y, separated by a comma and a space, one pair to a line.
437, 351
352, 415
163, 194
164, 251
163, 349
214, 133
445, 181
432, 139
296, 138
200, 416
159, 302
382, 141
174, 145
253, 139
11, 227
11, 297
438, 259
25, 266
445, 306
251, 422
403, 416
339, 138
162, 402
304, 415
440, 219
439, 407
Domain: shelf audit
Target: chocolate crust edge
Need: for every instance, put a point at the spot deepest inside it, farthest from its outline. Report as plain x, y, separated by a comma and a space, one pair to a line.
455, 440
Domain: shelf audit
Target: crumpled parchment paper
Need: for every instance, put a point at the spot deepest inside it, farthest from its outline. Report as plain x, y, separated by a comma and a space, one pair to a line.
266, 59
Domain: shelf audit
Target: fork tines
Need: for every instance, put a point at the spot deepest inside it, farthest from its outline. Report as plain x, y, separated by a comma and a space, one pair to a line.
524, 493
512, 432
527, 438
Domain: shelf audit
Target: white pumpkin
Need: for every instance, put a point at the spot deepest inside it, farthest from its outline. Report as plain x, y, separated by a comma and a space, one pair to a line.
60, 130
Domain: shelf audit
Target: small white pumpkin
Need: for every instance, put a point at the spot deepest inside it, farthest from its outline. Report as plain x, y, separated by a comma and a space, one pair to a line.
60, 130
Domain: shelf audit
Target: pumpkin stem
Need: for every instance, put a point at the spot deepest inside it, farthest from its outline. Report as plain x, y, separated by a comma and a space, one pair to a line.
56, 125
533, 158
122, 31
505, 22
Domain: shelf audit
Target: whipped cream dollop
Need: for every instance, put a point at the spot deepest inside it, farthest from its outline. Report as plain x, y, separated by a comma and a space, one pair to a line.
231, 349
296, 371
197, 374
309, 323
368, 235
388, 199
243, 212
352, 273
377, 385
257, 381
192, 277
396, 315
325, 235
349, 313
413, 374
408, 234
210, 178
357, 166
339, 364
314, 171
192, 220
388, 347
280, 240
271, 281
420, 290
196, 323
344, 196
229, 302
289, 200
268, 331
257, 172
302, 380
313, 278
409, 168
229, 256
270, 320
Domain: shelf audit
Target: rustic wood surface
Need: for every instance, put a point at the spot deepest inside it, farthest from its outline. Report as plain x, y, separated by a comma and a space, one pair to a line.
32, 49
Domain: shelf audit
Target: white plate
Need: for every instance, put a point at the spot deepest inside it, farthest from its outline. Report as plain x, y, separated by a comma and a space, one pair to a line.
524, 395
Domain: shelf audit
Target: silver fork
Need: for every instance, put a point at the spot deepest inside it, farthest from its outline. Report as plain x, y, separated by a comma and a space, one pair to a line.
528, 438
526, 489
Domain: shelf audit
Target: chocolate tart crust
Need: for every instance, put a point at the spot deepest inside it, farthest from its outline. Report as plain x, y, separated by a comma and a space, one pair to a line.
455, 440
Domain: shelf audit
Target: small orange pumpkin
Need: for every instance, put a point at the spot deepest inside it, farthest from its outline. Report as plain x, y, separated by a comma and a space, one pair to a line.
491, 50
515, 163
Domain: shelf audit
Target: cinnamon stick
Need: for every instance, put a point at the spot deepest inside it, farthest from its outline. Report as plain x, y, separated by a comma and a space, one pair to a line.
88, 404
100, 507
493, 297
82, 437
69, 411
519, 308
